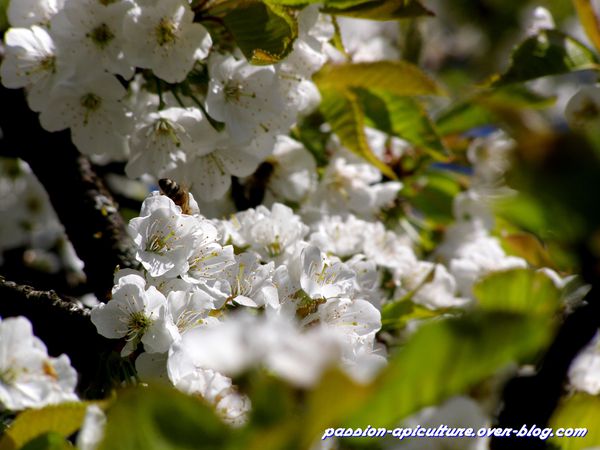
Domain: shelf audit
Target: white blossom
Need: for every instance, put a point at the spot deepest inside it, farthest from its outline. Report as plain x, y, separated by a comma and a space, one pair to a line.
209, 174
136, 313
30, 61
584, 373
91, 104
250, 282
342, 237
351, 185
90, 32
267, 232
322, 277
539, 19
25, 13
92, 431
247, 98
29, 378
217, 389
470, 253
163, 37
165, 238
368, 40
430, 285
294, 175
243, 341
168, 139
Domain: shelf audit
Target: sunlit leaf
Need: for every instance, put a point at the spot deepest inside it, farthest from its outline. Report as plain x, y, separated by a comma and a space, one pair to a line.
579, 411
330, 402
366, 9
161, 418
526, 212
444, 358
265, 33
396, 77
283, 421
550, 52
589, 20
528, 247
343, 112
48, 441
284, 436
518, 290
396, 315
378, 9
63, 419
404, 117
410, 121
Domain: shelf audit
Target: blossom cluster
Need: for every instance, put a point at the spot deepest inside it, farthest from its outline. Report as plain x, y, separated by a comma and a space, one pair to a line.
123, 77
218, 297
267, 288
293, 286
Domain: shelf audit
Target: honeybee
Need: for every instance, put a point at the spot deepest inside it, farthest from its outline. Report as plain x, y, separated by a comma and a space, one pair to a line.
177, 193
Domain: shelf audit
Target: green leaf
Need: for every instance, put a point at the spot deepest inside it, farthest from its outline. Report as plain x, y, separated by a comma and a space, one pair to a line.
578, 411
550, 52
272, 399
396, 77
464, 116
343, 112
308, 132
3, 19
519, 291
395, 315
329, 402
291, 3
273, 419
377, 9
589, 20
264, 32
63, 419
547, 220
433, 195
410, 121
488, 107
366, 9
161, 418
528, 247
516, 96
404, 117
48, 441
448, 357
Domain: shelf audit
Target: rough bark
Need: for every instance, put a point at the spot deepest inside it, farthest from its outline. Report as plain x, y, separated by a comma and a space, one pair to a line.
83, 204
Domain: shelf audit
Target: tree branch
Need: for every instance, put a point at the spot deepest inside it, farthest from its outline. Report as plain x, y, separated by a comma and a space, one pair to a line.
82, 202
64, 327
